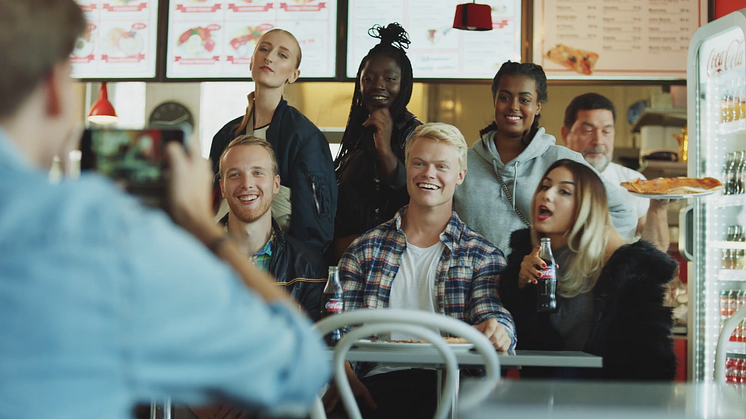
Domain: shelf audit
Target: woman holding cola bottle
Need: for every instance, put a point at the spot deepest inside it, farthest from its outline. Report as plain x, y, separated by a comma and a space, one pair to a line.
609, 294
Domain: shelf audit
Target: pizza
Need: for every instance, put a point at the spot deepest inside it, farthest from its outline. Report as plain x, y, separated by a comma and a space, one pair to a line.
447, 339
672, 185
575, 59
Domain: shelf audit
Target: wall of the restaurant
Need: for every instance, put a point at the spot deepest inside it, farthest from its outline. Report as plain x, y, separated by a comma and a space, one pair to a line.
468, 106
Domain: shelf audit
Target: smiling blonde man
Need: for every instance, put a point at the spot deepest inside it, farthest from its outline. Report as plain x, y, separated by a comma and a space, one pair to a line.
425, 258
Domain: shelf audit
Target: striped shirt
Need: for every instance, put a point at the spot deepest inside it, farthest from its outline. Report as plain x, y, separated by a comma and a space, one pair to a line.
466, 281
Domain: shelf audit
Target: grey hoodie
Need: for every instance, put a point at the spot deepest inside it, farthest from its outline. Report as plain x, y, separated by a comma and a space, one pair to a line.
481, 203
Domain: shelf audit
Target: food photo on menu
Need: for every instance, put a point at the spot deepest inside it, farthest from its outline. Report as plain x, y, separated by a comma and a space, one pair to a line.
577, 60
197, 41
86, 44
123, 42
244, 39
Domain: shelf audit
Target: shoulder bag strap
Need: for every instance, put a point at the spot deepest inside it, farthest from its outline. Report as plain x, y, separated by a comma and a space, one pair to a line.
510, 199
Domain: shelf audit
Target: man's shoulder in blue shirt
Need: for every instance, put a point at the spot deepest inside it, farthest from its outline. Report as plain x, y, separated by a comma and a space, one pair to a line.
104, 303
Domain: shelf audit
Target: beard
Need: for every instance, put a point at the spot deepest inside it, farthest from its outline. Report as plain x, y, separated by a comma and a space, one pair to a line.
600, 161
249, 215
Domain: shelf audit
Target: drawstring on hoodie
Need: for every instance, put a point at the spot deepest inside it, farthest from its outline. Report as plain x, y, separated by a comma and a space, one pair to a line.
507, 191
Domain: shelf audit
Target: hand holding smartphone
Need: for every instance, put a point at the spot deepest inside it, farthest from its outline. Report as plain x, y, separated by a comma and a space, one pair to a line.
133, 158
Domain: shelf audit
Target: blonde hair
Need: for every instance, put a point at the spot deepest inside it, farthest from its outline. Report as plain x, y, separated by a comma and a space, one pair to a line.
250, 97
439, 131
587, 238
248, 140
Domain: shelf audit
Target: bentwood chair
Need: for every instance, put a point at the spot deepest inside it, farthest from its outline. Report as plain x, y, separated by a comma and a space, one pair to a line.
728, 327
424, 325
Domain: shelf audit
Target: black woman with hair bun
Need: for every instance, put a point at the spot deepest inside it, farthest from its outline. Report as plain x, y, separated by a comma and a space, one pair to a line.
370, 164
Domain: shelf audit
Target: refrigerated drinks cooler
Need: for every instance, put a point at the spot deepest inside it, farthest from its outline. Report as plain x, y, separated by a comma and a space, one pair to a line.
714, 237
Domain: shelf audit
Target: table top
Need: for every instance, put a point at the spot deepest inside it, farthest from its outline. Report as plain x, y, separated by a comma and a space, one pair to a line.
529, 399
428, 356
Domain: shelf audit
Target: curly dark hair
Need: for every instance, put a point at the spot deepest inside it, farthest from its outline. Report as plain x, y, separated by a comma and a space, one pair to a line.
394, 41
536, 73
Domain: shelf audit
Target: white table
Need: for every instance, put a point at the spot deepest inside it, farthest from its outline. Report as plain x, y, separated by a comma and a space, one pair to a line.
425, 356
428, 357
535, 399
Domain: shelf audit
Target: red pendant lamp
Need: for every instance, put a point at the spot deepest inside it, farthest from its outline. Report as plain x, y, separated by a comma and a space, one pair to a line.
102, 112
473, 17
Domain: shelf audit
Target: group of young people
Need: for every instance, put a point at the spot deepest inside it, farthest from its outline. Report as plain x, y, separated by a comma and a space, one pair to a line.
107, 303
411, 230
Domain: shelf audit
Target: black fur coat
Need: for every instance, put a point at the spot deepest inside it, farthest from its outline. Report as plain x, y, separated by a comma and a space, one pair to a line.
631, 326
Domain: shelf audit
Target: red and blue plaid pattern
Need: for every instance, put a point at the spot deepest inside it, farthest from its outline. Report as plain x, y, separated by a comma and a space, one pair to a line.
467, 276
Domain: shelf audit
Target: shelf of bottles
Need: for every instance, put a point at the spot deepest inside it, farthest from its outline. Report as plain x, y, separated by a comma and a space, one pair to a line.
721, 221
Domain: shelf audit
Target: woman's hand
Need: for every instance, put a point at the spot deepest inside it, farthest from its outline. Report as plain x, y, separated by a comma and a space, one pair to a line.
381, 120
530, 267
384, 125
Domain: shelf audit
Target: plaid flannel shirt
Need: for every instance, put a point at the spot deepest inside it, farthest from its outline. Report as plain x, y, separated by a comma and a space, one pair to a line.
466, 281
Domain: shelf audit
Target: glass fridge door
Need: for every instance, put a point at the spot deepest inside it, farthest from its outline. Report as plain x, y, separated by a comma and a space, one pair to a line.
717, 148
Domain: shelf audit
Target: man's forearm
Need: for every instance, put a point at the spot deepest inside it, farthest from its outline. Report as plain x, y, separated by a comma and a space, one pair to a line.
656, 226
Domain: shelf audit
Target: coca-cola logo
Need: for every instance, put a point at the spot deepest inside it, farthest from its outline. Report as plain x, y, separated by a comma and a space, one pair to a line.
724, 60
547, 273
334, 306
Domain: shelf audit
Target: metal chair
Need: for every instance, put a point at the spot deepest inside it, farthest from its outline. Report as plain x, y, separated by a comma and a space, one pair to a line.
424, 325
728, 327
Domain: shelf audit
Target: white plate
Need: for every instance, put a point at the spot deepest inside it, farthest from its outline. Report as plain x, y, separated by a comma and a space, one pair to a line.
367, 344
674, 196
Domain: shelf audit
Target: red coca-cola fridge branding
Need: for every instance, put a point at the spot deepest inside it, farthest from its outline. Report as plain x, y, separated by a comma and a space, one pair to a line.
714, 226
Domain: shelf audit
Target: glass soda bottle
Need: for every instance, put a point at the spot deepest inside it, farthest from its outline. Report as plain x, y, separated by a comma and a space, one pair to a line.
332, 303
547, 280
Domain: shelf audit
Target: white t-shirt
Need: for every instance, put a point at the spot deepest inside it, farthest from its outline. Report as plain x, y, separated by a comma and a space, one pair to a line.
617, 174
413, 288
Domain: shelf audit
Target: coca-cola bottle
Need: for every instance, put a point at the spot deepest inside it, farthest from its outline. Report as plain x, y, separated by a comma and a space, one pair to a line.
332, 303
547, 279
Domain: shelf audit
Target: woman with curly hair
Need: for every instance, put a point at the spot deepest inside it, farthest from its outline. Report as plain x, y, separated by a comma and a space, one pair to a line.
370, 165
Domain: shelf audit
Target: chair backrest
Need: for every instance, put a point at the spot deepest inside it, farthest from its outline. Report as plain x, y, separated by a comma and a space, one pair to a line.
424, 325
728, 327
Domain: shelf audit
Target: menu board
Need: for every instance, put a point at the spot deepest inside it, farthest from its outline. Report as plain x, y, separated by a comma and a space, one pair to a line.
120, 40
615, 39
215, 38
438, 50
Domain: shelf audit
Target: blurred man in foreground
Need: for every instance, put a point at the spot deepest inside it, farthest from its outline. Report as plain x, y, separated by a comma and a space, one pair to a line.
589, 129
104, 303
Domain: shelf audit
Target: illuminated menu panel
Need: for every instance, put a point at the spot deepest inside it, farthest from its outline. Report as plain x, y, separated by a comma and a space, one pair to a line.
615, 39
437, 50
120, 41
215, 38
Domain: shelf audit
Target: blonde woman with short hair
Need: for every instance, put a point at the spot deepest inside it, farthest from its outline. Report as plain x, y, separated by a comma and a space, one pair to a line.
609, 293
307, 201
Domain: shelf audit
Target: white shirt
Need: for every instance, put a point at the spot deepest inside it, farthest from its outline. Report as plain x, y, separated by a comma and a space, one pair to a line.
617, 174
413, 288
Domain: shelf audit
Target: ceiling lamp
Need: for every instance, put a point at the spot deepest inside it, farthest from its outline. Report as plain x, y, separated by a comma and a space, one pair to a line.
102, 112
473, 17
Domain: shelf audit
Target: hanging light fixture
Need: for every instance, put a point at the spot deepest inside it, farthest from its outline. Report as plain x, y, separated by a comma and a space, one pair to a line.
102, 112
473, 17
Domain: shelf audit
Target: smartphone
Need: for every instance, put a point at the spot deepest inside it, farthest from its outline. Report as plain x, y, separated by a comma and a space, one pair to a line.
133, 158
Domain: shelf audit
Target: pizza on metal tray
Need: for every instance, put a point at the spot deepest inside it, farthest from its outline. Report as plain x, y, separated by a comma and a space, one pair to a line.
672, 185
